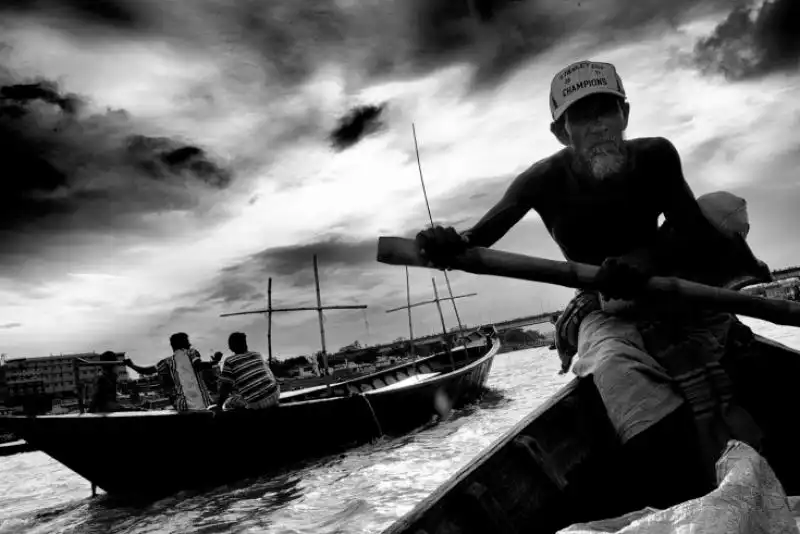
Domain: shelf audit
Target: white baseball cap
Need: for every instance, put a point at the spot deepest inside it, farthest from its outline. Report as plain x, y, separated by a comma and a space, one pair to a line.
582, 79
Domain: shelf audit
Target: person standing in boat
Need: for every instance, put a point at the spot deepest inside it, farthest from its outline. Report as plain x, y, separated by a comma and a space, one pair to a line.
181, 373
245, 379
104, 398
210, 371
600, 199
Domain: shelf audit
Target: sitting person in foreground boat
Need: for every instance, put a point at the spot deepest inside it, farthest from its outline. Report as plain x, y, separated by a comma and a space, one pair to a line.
180, 374
245, 379
600, 199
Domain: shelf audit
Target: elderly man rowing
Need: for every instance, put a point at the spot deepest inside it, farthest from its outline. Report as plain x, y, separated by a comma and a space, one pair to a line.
600, 199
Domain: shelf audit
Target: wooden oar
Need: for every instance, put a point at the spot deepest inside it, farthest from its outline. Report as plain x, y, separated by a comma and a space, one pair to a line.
401, 251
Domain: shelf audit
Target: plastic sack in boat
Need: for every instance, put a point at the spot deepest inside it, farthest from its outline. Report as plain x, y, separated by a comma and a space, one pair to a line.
749, 498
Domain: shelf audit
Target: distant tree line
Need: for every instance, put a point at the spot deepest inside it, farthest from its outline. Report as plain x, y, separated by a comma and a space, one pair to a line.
518, 336
353, 352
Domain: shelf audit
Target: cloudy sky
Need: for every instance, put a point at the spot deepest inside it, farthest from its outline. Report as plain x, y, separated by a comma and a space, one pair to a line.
162, 159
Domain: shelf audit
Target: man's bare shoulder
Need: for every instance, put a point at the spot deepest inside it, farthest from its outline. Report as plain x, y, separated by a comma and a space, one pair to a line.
542, 172
660, 146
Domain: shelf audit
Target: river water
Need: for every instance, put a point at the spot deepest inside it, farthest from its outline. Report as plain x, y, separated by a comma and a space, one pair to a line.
362, 491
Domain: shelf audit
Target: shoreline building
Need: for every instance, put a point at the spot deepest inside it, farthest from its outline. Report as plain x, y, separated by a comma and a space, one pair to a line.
52, 376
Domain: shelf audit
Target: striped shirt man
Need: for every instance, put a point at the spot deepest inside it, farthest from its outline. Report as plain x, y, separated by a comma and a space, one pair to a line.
249, 375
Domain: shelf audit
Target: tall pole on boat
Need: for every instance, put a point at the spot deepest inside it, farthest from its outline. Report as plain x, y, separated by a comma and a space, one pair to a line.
432, 301
321, 321
269, 320
436, 301
444, 327
410, 324
430, 216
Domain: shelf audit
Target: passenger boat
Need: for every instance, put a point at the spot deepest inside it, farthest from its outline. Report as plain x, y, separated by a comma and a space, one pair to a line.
552, 469
166, 451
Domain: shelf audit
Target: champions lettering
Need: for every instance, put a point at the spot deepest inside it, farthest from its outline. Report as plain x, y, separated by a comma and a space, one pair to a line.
594, 82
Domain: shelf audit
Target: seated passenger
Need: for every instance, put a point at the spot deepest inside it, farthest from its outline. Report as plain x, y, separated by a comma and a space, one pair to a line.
181, 373
245, 380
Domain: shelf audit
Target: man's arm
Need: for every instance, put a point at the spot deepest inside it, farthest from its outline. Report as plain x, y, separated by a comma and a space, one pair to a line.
197, 363
681, 209
698, 239
225, 384
149, 370
518, 199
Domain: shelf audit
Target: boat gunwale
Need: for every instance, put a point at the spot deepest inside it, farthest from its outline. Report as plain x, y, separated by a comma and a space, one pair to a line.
207, 413
482, 458
435, 497
491, 353
493, 337
376, 374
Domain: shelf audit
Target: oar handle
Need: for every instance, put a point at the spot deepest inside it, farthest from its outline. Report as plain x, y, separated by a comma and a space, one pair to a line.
478, 260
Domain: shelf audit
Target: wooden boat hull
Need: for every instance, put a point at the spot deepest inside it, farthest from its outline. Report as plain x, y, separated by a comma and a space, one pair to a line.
541, 475
166, 451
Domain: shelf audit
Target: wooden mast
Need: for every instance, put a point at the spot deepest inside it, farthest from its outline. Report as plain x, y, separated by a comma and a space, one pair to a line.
444, 327
424, 302
435, 300
410, 323
321, 319
430, 216
319, 308
269, 319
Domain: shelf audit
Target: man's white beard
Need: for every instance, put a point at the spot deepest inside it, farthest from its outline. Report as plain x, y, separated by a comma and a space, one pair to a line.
604, 161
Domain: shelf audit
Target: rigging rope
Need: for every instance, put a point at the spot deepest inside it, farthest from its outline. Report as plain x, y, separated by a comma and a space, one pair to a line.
374, 416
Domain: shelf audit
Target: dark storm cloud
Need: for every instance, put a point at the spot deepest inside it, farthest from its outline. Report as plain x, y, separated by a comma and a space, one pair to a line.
229, 288
293, 38
67, 170
332, 252
460, 207
355, 125
246, 281
753, 41
499, 35
119, 14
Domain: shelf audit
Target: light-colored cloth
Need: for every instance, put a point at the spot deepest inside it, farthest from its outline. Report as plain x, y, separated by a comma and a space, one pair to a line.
190, 392
748, 499
636, 390
727, 212
569, 322
691, 349
237, 402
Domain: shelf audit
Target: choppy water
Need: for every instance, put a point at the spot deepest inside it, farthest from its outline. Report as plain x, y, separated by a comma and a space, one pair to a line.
362, 491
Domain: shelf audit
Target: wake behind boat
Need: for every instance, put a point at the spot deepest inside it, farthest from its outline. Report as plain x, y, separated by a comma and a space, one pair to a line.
167, 451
